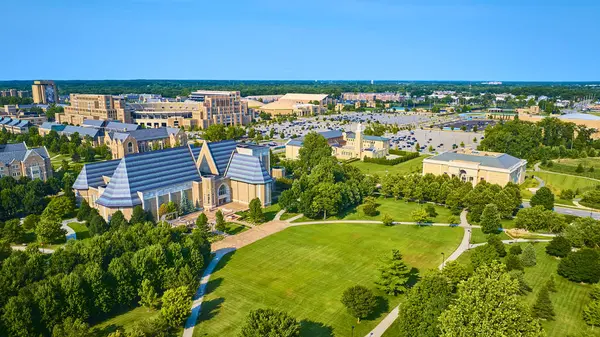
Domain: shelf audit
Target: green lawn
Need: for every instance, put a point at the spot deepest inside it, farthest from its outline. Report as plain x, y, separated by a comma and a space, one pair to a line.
80, 229
304, 271
233, 228
559, 182
411, 166
271, 211
569, 166
399, 210
125, 321
477, 236
568, 301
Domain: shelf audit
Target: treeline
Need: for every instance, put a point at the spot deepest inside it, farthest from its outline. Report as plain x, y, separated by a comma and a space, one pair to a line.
172, 88
385, 161
12, 100
453, 193
548, 139
86, 281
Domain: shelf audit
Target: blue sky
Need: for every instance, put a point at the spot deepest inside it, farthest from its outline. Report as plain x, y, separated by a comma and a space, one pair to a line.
522, 40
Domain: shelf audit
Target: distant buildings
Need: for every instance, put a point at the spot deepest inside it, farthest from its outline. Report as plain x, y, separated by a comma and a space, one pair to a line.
345, 145
14, 125
587, 120
99, 107
476, 166
44, 92
16, 161
14, 93
372, 96
209, 176
297, 104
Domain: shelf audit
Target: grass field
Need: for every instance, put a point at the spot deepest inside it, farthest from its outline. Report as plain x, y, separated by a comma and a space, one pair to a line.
569, 166
80, 229
125, 321
559, 182
568, 301
304, 271
477, 236
411, 166
399, 210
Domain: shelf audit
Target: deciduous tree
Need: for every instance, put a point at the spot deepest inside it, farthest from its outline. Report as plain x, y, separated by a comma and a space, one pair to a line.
359, 301
269, 322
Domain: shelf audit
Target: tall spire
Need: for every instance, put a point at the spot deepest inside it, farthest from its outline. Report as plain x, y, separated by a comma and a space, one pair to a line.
358, 141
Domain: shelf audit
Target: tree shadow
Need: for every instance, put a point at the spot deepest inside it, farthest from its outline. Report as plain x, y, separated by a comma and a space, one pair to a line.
315, 329
413, 277
224, 260
209, 309
105, 331
383, 306
212, 285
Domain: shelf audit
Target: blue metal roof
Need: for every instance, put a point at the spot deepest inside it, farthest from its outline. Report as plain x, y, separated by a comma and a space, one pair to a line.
221, 152
147, 134
94, 123
118, 126
504, 161
91, 174
247, 169
148, 171
331, 134
83, 131
5, 120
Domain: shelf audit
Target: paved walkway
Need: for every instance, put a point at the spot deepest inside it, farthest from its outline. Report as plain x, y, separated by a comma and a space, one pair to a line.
278, 215
71, 235
294, 218
42, 250
388, 320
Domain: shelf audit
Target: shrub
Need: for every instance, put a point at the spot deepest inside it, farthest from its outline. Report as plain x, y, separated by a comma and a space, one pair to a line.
387, 220
581, 266
515, 250
431, 210
559, 246
370, 207
390, 162
567, 194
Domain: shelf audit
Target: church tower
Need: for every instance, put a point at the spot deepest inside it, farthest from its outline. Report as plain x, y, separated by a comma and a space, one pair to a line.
358, 141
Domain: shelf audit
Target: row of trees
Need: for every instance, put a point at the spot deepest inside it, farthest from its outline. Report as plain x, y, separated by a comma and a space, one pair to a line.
130, 262
25, 196
550, 138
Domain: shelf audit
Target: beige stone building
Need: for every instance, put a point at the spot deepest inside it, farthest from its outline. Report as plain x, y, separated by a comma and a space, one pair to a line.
587, 120
297, 104
202, 109
345, 145
143, 140
95, 107
16, 161
476, 166
44, 92
209, 176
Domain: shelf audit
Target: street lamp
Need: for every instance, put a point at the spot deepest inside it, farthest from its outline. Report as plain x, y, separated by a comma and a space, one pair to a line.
443, 260
353, 331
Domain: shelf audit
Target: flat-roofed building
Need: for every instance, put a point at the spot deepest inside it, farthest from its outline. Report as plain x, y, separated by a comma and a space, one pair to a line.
588, 120
476, 166
212, 175
17, 161
297, 104
98, 107
202, 109
44, 92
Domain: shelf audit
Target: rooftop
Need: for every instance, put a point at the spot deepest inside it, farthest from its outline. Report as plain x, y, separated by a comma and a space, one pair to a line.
489, 159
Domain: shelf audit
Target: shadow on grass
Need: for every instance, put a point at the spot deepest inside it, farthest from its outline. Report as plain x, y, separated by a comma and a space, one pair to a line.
105, 331
234, 228
317, 329
210, 309
413, 277
223, 262
212, 285
383, 306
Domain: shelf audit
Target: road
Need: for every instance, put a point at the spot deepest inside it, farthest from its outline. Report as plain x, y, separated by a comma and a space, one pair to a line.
571, 211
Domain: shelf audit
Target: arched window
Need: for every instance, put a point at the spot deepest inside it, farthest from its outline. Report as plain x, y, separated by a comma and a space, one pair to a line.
223, 190
130, 147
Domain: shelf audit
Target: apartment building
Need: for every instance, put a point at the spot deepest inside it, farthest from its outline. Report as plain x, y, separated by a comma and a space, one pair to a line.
16, 161
98, 107
202, 109
44, 92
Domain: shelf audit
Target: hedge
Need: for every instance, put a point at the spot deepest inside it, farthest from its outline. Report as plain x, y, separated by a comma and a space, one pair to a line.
390, 162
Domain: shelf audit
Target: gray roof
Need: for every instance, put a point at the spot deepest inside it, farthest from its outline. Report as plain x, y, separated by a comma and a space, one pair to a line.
118, 126
50, 125
94, 123
247, 169
19, 152
5, 120
503, 161
331, 134
146, 134
83, 131
221, 152
140, 172
91, 174
351, 134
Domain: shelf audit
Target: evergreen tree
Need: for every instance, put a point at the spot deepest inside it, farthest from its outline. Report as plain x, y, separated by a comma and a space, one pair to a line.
528, 257
394, 275
559, 246
202, 224
494, 241
255, 213
519, 275
221, 225
118, 220
186, 205
515, 250
513, 262
551, 284
591, 313
595, 292
138, 215
148, 296
490, 219
542, 308
84, 211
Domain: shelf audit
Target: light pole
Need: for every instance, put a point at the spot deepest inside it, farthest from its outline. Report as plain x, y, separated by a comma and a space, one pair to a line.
353, 331
443, 260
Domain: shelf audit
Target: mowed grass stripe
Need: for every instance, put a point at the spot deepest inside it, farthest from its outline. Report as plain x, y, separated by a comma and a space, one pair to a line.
304, 270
